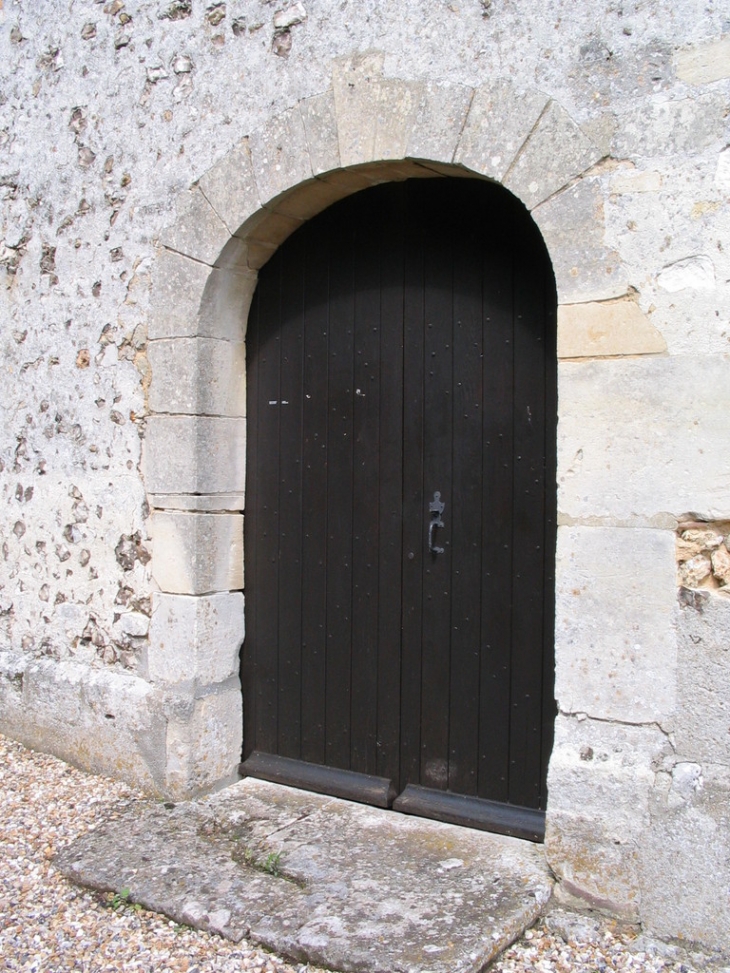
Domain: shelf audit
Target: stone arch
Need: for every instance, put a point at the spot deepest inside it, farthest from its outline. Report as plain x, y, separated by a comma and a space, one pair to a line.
364, 129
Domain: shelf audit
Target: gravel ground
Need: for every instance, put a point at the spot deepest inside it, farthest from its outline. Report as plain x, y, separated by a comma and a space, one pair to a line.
48, 925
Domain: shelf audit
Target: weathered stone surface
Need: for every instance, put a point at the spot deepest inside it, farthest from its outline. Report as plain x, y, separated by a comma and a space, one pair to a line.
688, 839
704, 63
198, 376
439, 121
197, 553
595, 834
195, 454
703, 674
225, 304
178, 285
629, 181
230, 187
101, 720
670, 128
555, 152
342, 898
596, 330
280, 155
614, 641
374, 115
195, 638
573, 226
499, 121
204, 740
624, 421
198, 231
320, 126
309, 198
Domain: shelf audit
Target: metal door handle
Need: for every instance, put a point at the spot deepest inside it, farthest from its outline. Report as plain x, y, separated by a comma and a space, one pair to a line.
435, 508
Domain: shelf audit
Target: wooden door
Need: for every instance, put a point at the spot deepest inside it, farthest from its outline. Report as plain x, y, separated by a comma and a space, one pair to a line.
401, 355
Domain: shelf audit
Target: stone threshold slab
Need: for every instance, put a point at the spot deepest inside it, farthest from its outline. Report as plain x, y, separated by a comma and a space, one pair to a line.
321, 880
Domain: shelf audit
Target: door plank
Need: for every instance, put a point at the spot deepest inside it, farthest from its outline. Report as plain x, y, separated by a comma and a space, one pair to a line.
339, 500
437, 477
314, 492
366, 481
290, 504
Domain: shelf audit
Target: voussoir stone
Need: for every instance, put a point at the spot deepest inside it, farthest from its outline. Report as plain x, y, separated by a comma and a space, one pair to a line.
280, 154
555, 153
319, 116
500, 119
230, 187
198, 231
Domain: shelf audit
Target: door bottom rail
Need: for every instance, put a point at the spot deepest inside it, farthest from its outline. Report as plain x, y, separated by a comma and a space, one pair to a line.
426, 802
347, 784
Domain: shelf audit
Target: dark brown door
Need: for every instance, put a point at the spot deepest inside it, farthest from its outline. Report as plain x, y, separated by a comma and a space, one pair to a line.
401, 356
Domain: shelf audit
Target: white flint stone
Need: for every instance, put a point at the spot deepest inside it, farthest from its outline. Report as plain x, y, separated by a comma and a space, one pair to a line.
697, 273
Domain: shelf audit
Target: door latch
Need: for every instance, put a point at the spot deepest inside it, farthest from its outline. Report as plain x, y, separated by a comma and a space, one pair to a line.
435, 508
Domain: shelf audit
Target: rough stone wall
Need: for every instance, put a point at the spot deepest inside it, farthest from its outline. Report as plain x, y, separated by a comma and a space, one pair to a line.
109, 113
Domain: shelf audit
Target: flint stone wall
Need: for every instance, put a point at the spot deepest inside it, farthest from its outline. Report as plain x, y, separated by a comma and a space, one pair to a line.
153, 155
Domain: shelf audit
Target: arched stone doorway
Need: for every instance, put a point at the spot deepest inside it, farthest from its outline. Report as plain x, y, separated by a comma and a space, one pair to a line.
362, 131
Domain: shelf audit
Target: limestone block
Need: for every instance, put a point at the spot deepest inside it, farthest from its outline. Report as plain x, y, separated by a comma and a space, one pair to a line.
671, 127
439, 121
644, 436
499, 121
270, 227
195, 638
573, 226
177, 288
599, 787
198, 231
225, 304
704, 63
197, 553
230, 187
101, 720
194, 454
198, 376
320, 125
629, 181
280, 155
615, 644
596, 330
308, 199
687, 849
703, 690
205, 749
374, 115
555, 153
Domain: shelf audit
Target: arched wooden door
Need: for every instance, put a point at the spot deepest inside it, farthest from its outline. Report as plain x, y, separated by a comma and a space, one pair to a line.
401, 356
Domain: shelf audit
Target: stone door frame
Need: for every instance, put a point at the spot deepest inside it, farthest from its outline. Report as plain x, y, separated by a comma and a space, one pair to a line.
364, 129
